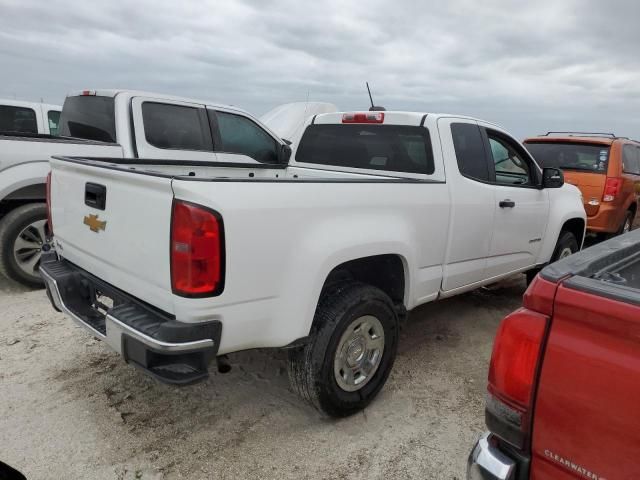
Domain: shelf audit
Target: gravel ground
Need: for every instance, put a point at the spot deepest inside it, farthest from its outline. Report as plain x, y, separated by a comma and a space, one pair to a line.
70, 408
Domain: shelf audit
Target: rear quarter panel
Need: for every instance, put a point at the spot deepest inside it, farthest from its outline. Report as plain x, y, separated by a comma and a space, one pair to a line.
587, 408
283, 238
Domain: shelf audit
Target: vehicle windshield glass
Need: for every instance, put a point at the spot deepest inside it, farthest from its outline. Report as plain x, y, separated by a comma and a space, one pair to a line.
90, 117
394, 148
570, 156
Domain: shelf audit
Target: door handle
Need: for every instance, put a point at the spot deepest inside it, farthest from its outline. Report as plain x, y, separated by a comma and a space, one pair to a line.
507, 203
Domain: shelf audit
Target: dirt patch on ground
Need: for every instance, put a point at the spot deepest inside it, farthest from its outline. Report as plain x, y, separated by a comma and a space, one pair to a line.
72, 409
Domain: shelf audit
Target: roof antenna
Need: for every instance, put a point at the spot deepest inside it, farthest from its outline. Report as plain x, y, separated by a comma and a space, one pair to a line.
373, 108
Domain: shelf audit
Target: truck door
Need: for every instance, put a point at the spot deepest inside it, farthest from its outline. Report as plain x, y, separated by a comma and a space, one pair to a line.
472, 203
521, 208
166, 129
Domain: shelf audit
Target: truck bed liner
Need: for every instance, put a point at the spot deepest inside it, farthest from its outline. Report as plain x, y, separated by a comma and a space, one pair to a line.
610, 269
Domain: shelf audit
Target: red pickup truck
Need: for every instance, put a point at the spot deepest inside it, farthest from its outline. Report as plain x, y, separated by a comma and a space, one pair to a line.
564, 382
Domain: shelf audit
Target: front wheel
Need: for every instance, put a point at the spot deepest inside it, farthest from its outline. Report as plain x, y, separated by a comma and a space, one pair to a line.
567, 245
352, 349
23, 236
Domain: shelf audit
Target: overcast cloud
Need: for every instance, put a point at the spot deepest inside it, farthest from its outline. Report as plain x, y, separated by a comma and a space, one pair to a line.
530, 66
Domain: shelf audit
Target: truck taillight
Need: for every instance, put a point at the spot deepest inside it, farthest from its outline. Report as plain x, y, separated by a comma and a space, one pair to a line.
363, 117
197, 251
611, 189
513, 373
48, 196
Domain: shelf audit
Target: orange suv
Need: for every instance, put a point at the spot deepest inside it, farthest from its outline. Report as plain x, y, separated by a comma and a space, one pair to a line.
604, 167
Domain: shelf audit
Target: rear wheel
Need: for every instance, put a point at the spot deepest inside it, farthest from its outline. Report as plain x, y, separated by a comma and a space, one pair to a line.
352, 349
23, 235
627, 224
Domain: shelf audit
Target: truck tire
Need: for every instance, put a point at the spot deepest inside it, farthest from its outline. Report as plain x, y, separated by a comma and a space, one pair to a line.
627, 223
23, 233
351, 351
567, 245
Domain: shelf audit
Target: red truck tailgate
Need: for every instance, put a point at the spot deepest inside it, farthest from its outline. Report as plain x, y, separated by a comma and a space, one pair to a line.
587, 411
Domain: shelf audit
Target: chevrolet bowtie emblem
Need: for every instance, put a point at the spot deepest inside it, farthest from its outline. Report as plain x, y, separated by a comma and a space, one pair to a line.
94, 224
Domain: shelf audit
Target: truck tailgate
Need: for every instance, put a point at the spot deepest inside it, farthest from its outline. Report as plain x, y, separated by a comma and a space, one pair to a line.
587, 417
125, 242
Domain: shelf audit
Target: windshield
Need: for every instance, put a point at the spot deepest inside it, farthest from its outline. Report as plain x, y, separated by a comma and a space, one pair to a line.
570, 156
89, 117
394, 148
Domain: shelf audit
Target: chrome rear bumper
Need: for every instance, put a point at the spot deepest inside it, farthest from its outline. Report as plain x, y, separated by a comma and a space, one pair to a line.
487, 462
172, 351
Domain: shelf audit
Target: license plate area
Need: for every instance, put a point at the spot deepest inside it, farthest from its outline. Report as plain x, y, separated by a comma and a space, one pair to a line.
102, 303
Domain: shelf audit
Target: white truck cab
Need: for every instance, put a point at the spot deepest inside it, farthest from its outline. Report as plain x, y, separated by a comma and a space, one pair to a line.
108, 123
17, 116
375, 214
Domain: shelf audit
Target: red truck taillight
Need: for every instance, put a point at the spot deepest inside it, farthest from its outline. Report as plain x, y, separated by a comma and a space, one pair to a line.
48, 197
197, 251
513, 373
611, 189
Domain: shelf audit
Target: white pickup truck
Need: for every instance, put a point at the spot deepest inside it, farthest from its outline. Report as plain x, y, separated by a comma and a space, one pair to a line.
174, 263
18, 116
111, 123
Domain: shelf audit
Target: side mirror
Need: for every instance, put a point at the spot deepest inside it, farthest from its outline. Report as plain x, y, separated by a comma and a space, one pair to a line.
552, 178
285, 154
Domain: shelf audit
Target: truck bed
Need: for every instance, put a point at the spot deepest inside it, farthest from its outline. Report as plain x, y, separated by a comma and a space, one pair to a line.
285, 229
610, 269
221, 171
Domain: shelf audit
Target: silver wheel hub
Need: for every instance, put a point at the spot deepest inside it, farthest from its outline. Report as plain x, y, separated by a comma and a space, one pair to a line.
28, 247
359, 353
565, 253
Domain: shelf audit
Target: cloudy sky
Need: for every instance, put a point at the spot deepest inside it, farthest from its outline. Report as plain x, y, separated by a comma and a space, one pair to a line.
530, 66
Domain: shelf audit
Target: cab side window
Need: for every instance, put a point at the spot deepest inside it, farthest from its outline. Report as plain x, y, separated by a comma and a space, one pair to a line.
510, 164
239, 134
469, 147
53, 117
630, 160
17, 119
175, 127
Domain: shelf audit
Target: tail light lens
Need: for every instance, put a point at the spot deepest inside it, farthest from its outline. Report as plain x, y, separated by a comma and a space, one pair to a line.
611, 189
48, 196
513, 373
197, 251
363, 117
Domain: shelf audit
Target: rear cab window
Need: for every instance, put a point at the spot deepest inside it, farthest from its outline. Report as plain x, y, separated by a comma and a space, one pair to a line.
584, 157
89, 117
18, 119
391, 148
